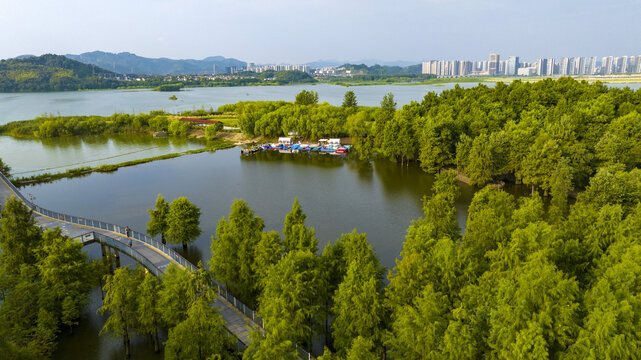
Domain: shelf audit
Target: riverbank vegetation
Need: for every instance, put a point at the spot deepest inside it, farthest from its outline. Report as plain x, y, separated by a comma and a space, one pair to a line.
169, 87
50, 126
45, 279
526, 132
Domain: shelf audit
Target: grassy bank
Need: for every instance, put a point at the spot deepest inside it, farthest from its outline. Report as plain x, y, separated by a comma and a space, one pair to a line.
83, 171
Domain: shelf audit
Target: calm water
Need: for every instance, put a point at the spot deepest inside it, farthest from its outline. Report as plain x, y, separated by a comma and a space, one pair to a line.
33, 156
26, 106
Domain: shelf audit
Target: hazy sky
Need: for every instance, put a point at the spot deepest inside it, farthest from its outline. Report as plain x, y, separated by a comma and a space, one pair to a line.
284, 31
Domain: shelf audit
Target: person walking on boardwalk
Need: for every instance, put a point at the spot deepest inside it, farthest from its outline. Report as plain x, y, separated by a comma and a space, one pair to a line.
127, 231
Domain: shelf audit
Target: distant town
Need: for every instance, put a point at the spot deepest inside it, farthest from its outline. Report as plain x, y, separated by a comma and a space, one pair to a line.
565, 66
614, 66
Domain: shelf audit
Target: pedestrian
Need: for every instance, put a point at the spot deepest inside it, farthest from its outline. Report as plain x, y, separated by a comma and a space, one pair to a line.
130, 242
127, 231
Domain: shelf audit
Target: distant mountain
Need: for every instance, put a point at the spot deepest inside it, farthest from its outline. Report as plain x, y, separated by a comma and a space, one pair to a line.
128, 63
369, 62
51, 73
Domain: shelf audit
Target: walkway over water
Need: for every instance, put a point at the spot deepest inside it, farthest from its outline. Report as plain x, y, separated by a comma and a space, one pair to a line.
152, 254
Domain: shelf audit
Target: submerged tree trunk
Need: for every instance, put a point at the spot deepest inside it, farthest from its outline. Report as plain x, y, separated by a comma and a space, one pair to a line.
125, 340
184, 245
156, 347
162, 238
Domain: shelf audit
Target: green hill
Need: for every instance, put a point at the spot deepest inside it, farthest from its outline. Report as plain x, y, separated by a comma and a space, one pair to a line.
51, 73
128, 63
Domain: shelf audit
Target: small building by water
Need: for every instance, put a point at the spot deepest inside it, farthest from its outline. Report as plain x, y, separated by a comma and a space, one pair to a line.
285, 140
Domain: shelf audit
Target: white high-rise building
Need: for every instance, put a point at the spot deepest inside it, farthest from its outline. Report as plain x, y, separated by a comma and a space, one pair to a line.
550, 70
493, 65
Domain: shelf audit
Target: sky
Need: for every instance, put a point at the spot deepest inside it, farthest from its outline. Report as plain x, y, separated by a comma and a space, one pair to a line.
286, 31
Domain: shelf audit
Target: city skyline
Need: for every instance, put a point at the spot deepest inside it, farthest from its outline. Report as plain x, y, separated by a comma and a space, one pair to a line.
284, 31
494, 66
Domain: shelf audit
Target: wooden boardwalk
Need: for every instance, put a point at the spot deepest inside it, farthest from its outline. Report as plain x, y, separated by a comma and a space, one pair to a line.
153, 255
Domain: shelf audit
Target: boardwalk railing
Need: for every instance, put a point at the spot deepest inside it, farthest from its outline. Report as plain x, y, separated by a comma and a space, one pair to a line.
173, 255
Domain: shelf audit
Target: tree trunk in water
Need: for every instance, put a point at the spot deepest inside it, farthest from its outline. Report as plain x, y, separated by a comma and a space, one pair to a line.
184, 245
156, 347
532, 189
125, 340
162, 237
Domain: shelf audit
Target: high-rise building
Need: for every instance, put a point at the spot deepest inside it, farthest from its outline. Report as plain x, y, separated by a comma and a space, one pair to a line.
564, 66
512, 65
493, 64
591, 66
541, 67
425, 67
579, 66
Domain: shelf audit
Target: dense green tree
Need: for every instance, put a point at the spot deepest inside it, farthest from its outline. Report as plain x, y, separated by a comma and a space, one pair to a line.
211, 131
120, 303
363, 349
148, 312
157, 224
268, 252
183, 222
349, 100
613, 185
233, 251
276, 343
539, 164
200, 336
173, 300
306, 97
178, 128
290, 295
358, 306
293, 218
489, 223
19, 236
560, 187
5, 169
419, 328
66, 275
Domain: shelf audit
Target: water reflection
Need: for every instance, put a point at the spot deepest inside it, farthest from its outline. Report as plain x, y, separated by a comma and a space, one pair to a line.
193, 254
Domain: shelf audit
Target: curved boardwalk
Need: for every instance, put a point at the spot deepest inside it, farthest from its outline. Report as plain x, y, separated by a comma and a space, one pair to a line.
152, 254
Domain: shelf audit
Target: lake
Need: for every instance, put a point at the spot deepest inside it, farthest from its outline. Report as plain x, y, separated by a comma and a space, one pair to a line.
25, 106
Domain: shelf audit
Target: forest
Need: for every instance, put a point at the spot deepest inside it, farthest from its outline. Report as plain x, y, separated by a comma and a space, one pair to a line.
543, 134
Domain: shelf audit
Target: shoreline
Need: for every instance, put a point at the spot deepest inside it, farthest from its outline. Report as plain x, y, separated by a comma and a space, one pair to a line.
632, 79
